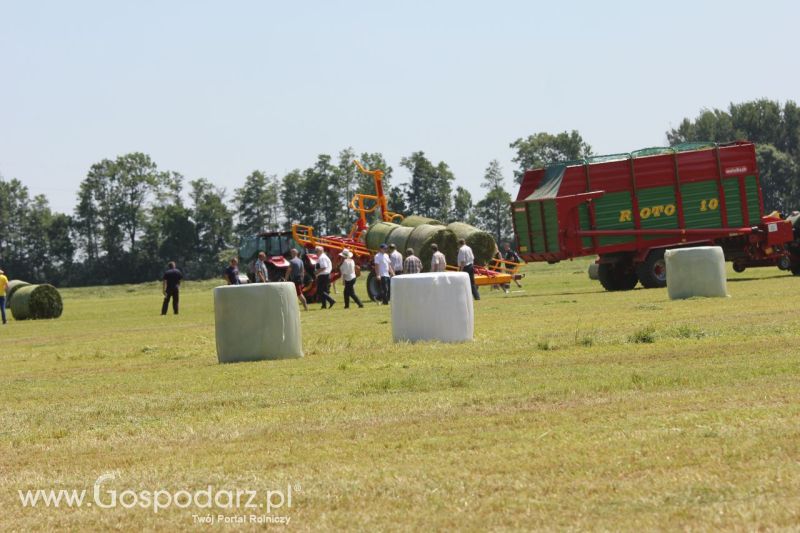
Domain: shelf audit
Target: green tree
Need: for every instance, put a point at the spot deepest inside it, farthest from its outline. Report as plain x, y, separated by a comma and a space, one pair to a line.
428, 193
775, 128
494, 211
544, 148
257, 204
462, 206
292, 198
213, 225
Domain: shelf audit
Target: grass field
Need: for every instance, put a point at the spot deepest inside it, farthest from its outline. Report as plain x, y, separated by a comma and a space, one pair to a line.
573, 408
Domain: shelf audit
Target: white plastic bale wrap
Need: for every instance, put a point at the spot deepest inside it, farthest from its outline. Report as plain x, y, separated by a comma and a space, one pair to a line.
696, 271
256, 322
432, 306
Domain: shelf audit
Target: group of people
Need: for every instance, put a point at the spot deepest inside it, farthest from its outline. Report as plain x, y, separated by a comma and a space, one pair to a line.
388, 262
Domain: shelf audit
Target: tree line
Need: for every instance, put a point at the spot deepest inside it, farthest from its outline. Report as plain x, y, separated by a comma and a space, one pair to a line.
132, 217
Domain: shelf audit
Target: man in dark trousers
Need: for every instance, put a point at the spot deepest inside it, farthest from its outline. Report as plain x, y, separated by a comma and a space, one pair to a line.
171, 284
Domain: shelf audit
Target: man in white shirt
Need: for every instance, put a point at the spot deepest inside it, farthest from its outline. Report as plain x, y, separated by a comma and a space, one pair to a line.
438, 260
396, 259
465, 263
384, 272
324, 269
348, 270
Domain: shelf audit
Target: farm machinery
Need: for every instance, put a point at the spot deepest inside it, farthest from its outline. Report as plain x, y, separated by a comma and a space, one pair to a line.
628, 209
495, 272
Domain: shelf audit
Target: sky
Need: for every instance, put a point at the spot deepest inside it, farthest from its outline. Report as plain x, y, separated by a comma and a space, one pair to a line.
219, 89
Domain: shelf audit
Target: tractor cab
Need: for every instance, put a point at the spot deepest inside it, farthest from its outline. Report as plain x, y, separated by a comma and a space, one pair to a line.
276, 244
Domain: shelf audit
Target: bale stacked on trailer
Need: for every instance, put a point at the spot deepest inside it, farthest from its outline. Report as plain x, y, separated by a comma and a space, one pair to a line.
399, 237
35, 302
423, 236
379, 233
415, 220
481, 242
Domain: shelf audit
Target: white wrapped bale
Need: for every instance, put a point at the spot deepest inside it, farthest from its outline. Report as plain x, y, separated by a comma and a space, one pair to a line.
432, 306
256, 322
696, 271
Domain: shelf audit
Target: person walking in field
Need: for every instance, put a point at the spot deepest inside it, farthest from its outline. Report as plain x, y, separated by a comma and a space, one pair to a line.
232, 272
324, 269
438, 260
348, 271
171, 287
466, 260
3, 289
513, 257
412, 264
297, 273
384, 272
261, 268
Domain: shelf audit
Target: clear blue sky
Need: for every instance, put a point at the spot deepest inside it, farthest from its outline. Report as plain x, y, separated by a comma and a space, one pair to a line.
218, 89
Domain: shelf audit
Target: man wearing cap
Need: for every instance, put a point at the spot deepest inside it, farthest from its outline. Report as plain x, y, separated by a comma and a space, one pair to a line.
412, 264
438, 260
348, 271
324, 269
465, 263
3, 289
384, 272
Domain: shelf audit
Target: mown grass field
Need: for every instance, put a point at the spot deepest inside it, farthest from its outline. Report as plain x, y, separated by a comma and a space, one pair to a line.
572, 409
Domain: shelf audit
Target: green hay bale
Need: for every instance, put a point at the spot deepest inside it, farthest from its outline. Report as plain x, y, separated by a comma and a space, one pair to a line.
423, 236
36, 301
378, 233
481, 242
13, 285
399, 237
415, 220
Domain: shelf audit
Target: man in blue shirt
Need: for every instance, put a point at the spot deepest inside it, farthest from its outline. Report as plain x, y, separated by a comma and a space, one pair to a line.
171, 284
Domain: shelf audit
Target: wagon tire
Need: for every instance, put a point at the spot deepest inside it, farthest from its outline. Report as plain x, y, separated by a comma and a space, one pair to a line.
652, 272
619, 276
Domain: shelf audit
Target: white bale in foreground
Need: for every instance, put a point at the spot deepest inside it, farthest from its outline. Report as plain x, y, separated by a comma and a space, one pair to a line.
257, 321
696, 271
432, 306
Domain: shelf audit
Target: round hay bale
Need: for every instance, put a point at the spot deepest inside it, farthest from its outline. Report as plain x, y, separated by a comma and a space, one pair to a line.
13, 285
399, 237
415, 220
378, 233
423, 236
481, 242
36, 301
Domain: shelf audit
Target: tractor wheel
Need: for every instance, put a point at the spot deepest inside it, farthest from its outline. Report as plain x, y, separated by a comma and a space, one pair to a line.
785, 263
739, 267
373, 287
795, 268
619, 276
652, 273
274, 273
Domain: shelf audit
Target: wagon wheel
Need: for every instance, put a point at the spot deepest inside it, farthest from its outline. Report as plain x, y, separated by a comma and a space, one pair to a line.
373, 287
619, 276
739, 267
652, 272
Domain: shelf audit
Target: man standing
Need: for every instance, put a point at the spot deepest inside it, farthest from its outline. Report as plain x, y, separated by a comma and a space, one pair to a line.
384, 271
511, 256
324, 269
232, 272
3, 289
261, 268
397, 260
412, 264
348, 271
465, 263
171, 285
297, 273
438, 260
